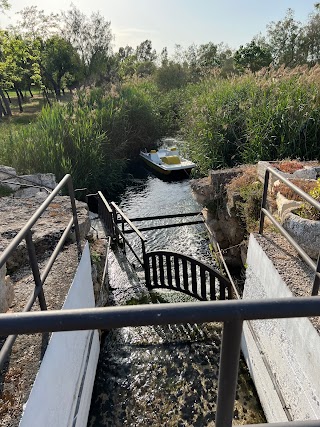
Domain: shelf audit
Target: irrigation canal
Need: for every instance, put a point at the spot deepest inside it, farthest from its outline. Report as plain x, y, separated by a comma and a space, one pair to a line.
164, 376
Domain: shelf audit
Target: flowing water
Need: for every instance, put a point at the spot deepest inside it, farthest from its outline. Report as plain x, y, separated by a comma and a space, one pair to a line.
165, 376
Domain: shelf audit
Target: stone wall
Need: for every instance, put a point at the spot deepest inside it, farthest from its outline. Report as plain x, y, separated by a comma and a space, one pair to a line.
220, 215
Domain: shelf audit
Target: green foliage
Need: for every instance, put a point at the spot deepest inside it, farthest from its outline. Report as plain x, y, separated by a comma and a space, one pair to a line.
307, 210
250, 206
90, 137
170, 76
253, 57
249, 118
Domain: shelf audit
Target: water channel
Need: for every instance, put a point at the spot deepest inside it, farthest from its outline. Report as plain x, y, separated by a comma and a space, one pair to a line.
165, 376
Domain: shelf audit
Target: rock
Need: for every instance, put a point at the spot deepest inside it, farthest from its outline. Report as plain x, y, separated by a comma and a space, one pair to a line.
201, 190
305, 232
47, 230
6, 290
47, 180
308, 172
9, 175
285, 205
220, 178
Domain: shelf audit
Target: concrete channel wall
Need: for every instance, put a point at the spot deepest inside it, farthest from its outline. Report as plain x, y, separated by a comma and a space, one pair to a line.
61, 394
286, 349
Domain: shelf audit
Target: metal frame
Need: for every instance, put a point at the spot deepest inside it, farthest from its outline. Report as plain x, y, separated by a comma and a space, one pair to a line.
231, 313
265, 213
39, 279
125, 220
178, 267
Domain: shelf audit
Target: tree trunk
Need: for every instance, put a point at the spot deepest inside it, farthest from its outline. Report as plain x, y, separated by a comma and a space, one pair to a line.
8, 96
19, 98
21, 94
1, 109
56, 89
31, 94
45, 94
6, 103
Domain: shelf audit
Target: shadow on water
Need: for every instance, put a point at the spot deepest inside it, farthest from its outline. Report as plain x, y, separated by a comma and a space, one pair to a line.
164, 376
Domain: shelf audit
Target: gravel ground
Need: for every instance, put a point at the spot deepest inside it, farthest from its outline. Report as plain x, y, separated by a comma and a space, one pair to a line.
295, 272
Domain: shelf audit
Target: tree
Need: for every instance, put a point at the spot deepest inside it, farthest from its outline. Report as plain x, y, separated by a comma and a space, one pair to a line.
4, 5
208, 55
286, 41
144, 52
58, 59
92, 38
16, 58
170, 76
312, 37
164, 56
253, 57
35, 23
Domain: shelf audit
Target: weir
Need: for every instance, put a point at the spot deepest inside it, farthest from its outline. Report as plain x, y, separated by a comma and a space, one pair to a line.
162, 269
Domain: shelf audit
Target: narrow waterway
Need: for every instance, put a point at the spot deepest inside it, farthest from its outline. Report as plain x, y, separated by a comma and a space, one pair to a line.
165, 376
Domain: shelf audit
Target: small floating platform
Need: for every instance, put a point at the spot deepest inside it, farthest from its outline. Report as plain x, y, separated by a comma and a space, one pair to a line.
167, 161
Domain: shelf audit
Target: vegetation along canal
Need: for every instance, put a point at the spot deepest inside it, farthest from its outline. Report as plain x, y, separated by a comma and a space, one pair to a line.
165, 376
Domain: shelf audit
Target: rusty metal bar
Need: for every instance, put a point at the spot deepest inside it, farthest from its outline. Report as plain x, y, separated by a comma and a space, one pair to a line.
228, 372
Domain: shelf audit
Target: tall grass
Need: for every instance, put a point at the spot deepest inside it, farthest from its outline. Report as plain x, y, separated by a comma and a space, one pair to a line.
248, 118
225, 122
90, 137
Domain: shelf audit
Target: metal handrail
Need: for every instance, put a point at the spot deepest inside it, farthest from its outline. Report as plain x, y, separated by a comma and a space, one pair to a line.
265, 213
25, 233
184, 285
125, 220
231, 312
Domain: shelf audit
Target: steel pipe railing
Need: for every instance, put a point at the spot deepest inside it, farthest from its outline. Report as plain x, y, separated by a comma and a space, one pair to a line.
265, 213
39, 280
231, 313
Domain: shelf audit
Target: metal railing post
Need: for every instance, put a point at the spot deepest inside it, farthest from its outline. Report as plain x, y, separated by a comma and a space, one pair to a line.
228, 372
35, 269
264, 200
316, 283
75, 216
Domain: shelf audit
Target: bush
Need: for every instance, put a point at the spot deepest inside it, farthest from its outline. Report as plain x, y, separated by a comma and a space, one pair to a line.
91, 137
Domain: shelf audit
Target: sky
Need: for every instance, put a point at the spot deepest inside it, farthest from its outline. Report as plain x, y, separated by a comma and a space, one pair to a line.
170, 22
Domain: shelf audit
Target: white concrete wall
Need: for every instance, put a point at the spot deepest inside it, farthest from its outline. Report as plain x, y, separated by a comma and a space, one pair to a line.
61, 394
290, 346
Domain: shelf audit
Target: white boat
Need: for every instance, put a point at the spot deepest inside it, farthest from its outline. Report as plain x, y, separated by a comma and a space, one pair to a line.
167, 161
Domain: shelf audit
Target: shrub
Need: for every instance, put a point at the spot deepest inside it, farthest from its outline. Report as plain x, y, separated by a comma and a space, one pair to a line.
250, 190
308, 211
